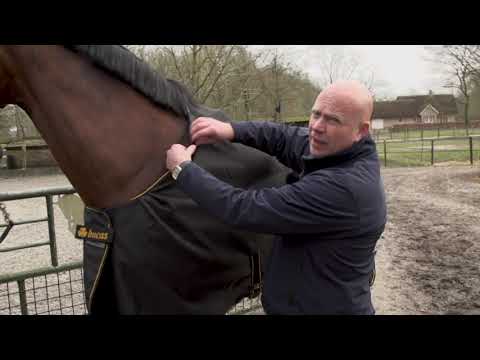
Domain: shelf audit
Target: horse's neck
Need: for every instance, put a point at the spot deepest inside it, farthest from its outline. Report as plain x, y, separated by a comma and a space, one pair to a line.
109, 140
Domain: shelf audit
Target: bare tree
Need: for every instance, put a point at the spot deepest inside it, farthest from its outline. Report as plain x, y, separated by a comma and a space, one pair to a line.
243, 83
343, 63
473, 61
275, 82
224, 76
336, 64
138, 50
200, 67
459, 70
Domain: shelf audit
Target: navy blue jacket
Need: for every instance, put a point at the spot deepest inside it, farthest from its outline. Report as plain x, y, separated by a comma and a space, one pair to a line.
329, 220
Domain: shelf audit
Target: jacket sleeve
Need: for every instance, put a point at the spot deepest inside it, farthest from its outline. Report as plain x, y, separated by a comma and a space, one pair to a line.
286, 143
315, 204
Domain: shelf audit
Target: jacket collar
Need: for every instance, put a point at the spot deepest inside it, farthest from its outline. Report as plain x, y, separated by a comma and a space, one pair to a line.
361, 148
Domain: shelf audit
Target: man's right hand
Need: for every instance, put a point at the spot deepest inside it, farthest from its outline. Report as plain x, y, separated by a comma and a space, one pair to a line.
207, 131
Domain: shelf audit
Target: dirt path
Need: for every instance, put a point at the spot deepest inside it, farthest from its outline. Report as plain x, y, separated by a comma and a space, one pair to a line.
429, 257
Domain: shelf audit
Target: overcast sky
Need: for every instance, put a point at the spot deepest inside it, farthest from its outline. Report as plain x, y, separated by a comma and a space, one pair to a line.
399, 69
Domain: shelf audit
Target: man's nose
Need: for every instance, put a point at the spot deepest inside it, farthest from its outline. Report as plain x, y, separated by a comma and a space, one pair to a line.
318, 124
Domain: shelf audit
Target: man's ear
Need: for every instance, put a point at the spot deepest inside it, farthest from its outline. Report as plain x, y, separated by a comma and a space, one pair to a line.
364, 129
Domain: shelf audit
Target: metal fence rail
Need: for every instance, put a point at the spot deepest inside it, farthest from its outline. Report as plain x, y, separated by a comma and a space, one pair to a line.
47, 291
424, 152
57, 290
48, 195
425, 131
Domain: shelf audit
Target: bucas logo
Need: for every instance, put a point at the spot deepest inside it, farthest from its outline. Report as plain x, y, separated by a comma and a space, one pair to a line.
84, 233
97, 235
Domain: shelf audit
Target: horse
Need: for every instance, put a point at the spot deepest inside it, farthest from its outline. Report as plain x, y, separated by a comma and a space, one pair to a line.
108, 119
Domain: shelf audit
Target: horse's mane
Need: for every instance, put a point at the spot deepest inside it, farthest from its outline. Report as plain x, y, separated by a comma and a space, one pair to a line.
127, 67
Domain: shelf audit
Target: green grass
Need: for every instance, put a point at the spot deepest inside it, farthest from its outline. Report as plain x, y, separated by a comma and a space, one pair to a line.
418, 153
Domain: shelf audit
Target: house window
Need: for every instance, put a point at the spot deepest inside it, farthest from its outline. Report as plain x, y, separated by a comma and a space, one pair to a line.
429, 118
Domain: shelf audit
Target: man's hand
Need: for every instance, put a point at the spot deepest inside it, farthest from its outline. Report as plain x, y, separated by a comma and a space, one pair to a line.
178, 154
207, 131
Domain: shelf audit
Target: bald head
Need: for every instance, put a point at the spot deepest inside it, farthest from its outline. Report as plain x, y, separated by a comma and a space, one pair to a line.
340, 117
352, 97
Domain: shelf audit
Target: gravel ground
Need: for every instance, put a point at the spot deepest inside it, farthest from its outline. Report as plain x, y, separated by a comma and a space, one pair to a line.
428, 259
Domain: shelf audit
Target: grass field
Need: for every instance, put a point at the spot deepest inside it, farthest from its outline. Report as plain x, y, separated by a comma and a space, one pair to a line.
419, 153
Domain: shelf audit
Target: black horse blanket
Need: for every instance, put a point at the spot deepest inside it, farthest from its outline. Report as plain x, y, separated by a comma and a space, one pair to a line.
162, 254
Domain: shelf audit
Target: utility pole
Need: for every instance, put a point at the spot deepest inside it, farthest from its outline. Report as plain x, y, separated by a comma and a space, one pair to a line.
278, 102
246, 101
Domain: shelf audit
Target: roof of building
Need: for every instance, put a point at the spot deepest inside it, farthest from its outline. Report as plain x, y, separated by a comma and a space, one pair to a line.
412, 106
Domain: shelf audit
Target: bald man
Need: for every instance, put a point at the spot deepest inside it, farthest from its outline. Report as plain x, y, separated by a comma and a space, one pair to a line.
328, 218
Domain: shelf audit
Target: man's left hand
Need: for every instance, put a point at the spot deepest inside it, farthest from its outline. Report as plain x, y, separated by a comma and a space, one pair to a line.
178, 154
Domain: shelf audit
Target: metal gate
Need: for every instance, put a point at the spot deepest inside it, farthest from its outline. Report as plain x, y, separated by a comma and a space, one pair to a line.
49, 291
58, 289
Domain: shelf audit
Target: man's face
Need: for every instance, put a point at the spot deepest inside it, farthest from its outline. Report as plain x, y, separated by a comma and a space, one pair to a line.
334, 125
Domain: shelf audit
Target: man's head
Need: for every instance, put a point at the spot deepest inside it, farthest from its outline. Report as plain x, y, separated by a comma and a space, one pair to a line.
340, 117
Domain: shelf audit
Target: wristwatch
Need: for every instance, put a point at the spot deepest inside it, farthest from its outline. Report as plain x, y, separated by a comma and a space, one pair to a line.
177, 169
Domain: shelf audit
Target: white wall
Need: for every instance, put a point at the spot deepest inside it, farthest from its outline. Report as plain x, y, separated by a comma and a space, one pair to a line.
377, 124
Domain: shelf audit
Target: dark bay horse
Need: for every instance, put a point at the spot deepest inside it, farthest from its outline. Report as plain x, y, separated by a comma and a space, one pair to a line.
108, 120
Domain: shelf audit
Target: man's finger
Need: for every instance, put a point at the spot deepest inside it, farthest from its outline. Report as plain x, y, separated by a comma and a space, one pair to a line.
177, 146
204, 140
200, 118
204, 133
197, 127
198, 122
191, 149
